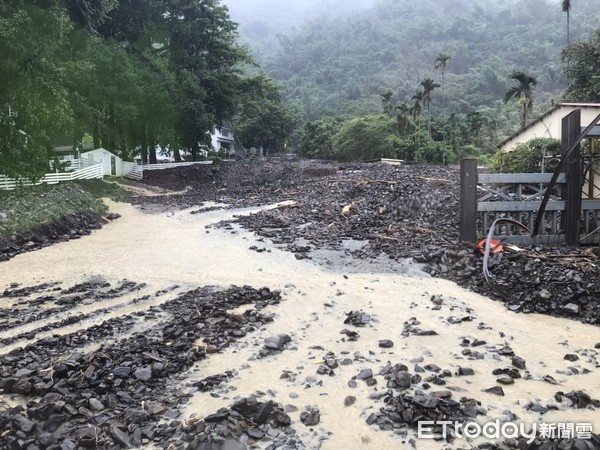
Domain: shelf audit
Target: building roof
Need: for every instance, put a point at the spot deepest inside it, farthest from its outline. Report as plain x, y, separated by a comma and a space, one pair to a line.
543, 116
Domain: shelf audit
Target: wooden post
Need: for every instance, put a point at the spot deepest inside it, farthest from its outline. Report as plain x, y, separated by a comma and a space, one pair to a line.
571, 128
468, 200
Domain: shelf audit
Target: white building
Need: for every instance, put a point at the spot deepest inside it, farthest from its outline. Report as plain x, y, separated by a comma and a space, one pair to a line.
224, 140
549, 124
111, 163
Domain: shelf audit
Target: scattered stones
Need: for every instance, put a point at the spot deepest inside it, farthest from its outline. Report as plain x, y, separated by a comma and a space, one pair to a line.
120, 392
357, 318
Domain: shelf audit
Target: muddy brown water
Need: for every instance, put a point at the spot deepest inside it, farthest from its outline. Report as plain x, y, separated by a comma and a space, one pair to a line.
177, 248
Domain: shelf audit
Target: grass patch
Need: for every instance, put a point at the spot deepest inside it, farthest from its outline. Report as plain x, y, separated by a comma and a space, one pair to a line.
30, 207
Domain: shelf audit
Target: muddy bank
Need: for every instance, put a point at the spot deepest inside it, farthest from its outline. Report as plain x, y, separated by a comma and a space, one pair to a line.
73, 226
38, 216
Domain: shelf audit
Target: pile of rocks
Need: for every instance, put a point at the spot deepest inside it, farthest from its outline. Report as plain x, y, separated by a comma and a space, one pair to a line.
246, 423
400, 212
125, 393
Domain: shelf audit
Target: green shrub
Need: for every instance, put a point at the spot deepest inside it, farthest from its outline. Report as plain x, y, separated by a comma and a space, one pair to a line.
527, 157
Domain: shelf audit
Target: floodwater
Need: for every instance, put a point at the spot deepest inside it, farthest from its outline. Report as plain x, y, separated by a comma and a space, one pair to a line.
179, 248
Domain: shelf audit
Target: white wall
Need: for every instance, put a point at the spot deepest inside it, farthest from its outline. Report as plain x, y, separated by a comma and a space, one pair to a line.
104, 156
551, 125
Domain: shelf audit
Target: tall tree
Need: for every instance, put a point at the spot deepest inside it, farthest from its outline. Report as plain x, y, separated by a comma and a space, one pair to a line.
386, 102
428, 87
441, 62
263, 119
566, 7
582, 66
523, 91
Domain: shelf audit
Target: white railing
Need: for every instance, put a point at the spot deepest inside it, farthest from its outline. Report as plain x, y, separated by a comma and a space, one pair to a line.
171, 165
132, 170
136, 171
88, 173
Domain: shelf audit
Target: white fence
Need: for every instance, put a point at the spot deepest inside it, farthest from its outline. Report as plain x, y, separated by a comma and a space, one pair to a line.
94, 171
132, 170
136, 171
81, 163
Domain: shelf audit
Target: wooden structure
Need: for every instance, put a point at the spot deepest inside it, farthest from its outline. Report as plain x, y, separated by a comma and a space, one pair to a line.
570, 212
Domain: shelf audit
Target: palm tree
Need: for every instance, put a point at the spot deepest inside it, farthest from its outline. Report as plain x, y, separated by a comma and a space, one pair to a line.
566, 7
428, 86
417, 106
386, 101
522, 90
441, 62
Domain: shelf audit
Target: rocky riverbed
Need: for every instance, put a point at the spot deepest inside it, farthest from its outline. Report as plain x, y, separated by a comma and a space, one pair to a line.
396, 212
148, 332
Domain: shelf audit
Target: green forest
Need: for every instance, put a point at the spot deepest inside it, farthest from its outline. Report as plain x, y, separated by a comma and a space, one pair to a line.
129, 76
429, 81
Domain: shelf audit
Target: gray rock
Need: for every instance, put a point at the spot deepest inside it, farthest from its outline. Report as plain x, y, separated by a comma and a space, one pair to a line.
143, 373
255, 433
403, 379
121, 371
571, 308
496, 390
350, 400
386, 343
263, 412
365, 374
311, 416
277, 342
425, 401
465, 371
518, 362
96, 405
121, 437
442, 394
505, 379
25, 425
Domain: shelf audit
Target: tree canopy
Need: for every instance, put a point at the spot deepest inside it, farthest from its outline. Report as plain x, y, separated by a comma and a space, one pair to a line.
129, 75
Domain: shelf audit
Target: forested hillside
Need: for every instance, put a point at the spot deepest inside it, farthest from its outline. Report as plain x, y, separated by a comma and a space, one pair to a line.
334, 65
263, 21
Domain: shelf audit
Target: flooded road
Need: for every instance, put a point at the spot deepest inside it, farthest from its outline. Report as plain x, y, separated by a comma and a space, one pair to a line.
184, 250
